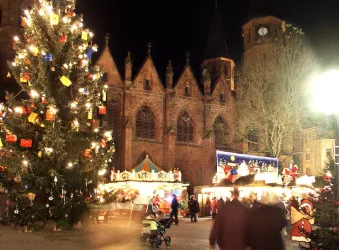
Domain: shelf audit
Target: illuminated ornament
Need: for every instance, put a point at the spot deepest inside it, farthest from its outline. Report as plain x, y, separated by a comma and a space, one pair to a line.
16, 211
11, 138
102, 110
84, 35
27, 62
90, 114
49, 151
52, 69
40, 154
54, 19
103, 143
70, 13
26, 143
65, 81
89, 53
104, 96
20, 110
50, 114
31, 197
32, 118
23, 23
34, 50
87, 153
8, 75
75, 125
63, 39
47, 58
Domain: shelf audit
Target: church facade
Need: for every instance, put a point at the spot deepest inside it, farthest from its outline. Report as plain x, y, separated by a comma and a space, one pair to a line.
182, 123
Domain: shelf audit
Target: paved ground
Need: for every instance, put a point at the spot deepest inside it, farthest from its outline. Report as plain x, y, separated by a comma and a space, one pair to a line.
110, 236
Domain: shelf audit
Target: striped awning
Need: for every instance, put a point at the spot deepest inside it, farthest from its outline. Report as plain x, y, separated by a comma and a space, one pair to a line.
147, 165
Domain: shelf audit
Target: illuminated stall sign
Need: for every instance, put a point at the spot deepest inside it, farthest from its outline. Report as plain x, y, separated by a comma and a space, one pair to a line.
232, 166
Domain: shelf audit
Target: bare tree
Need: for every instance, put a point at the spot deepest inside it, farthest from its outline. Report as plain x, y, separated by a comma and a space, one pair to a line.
270, 95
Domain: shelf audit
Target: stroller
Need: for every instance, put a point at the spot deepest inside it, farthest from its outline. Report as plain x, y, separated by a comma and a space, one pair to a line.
154, 232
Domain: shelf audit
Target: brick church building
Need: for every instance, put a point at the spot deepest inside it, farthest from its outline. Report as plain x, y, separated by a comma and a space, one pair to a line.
181, 123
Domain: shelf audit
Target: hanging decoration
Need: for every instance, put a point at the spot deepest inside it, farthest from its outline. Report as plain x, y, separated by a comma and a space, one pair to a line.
65, 81
10, 138
26, 143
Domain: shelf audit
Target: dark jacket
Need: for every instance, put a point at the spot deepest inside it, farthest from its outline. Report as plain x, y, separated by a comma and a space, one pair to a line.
254, 204
194, 206
264, 228
175, 204
229, 228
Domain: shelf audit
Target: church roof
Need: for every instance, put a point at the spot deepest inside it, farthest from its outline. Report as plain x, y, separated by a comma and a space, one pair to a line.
147, 165
216, 43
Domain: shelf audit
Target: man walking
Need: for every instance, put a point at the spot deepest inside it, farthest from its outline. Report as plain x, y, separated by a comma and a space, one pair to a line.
229, 228
175, 207
194, 208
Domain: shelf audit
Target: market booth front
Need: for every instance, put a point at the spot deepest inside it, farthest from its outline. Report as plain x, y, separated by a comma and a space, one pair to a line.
145, 186
252, 174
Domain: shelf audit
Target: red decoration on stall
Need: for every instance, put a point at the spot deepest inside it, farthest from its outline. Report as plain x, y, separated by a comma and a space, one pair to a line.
10, 138
87, 153
26, 143
102, 110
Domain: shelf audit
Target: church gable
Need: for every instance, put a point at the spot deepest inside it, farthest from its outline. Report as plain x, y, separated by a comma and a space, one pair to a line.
148, 78
187, 85
107, 65
222, 91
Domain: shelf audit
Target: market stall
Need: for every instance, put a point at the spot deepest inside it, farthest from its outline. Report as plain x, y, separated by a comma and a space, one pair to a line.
145, 180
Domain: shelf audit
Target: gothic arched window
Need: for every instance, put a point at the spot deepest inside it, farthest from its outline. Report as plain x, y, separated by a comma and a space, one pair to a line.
145, 123
220, 132
185, 128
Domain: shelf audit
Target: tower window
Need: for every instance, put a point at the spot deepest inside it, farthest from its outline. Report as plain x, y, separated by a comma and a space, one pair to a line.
187, 90
147, 84
222, 97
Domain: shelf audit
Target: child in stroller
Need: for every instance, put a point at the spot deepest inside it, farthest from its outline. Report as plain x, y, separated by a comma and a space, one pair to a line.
153, 231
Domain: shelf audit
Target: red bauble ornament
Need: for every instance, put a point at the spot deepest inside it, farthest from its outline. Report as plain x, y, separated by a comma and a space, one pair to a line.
10, 138
8, 203
335, 229
102, 110
87, 153
26, 143
63, 39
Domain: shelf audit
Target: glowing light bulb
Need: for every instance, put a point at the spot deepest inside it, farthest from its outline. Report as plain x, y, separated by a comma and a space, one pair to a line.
41, 12
34, 93
18, 110
81, 90
65, 19
25, 162
102, 172
74, 105
96, 130
14, 64
16, 38
53, 110
26, 12
105, 86
94, 144
70, 165
90, 34
81, 25
88, 105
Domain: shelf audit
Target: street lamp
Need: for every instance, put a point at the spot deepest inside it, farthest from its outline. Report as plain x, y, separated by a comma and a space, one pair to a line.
325, 93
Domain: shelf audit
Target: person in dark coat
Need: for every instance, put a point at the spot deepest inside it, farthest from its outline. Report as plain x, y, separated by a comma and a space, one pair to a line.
175, 208
194, 208
229, 228
265, 224
254, 201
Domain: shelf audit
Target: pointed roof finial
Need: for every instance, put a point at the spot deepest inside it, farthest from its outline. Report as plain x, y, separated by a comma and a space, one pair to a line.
169, 68
149, 46
128, 58
107, 39
188, 57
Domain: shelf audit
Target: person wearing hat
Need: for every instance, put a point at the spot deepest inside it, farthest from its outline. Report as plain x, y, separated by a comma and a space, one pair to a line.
229, 228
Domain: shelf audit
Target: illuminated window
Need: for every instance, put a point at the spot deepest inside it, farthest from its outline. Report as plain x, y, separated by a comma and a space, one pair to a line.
185, 128
145, 123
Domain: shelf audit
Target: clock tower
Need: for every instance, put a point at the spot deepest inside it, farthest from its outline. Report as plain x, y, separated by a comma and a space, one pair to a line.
262, 29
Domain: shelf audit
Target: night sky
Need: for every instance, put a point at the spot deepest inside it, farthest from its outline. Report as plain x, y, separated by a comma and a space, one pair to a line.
176, 26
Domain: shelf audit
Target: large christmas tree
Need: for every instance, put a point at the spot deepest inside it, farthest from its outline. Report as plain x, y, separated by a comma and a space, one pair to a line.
53, 149
326, 235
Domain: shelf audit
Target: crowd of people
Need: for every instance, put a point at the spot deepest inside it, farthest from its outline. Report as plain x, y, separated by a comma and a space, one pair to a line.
253, 224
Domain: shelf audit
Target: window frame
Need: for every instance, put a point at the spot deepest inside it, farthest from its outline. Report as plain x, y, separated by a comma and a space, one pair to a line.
185, 128
145, 124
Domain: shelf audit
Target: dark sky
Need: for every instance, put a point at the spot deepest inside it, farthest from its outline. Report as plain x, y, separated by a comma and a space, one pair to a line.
176, 26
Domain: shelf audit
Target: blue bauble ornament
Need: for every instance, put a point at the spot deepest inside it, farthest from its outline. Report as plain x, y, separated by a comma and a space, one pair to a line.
47, 58
89, 53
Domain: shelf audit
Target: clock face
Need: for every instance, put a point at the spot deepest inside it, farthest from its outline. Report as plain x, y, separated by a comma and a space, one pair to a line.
262, 31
